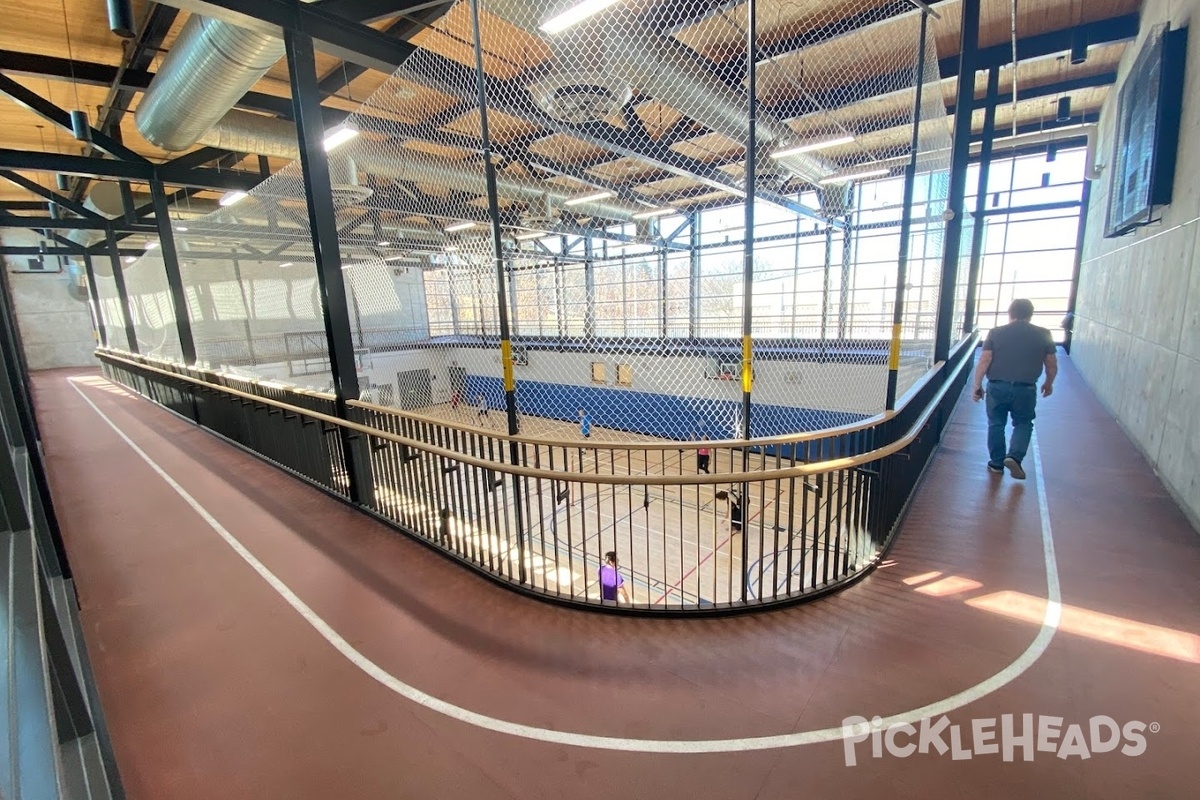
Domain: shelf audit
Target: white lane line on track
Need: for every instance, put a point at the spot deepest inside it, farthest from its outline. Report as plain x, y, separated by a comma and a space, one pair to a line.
1010, 673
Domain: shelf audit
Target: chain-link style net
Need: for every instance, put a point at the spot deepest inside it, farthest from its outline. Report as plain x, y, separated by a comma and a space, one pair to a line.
150, 307
928, 240
619, 146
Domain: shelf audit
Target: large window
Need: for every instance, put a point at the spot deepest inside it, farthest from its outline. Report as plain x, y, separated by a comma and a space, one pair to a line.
1031, 226
809, 282
437, 303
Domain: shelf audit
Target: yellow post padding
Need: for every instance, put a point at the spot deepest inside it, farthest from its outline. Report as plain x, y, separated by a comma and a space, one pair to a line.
747, 372
506, 363
894, 354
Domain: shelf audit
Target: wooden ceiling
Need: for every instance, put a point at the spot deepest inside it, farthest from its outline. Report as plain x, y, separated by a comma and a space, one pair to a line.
78, 29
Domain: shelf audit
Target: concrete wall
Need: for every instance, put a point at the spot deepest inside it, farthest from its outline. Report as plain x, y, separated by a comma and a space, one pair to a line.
1137, 329
55, 329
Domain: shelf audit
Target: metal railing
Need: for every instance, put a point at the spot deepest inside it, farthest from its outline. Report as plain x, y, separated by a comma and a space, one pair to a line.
756, 523
51, 719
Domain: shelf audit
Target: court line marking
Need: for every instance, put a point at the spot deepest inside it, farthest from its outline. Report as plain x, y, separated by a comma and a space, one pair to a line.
1028, 658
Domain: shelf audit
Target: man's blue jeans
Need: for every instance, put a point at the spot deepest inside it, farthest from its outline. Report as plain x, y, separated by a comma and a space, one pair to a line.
1018, 400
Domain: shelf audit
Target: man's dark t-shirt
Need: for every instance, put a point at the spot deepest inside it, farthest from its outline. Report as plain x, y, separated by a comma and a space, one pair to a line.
1018, 350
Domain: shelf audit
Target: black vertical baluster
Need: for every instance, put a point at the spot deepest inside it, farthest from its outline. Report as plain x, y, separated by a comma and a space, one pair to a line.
827, 502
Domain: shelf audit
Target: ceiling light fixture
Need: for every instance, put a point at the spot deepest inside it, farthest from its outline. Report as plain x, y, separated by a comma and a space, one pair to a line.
182, 229
130, 259
384, 244
524, 237
575, 14
1064, 109
811, 146
459, 226
339, 136
151, 245
587, 198
653, 212
285, 264
846, 177
233, 197
1079, 47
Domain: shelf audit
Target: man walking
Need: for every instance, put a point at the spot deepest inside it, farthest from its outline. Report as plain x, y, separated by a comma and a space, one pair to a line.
1012, 359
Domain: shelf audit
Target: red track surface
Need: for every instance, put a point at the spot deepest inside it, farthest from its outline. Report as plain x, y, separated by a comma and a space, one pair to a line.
214, 687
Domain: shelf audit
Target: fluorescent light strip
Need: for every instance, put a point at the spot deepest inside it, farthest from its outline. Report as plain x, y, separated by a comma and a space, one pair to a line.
339, 136
853, 176
285, 264
587, 198
527, 236
233, 197
151, 245
575, 14
459, 226
654, 212
811, 146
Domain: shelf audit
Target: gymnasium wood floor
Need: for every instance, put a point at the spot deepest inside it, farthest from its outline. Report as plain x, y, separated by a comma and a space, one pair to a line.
675, 543
409, 677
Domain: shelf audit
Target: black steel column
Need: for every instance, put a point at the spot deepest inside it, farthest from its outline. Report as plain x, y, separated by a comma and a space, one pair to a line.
1085, 202
127, 204
166, 246
981, 195
910, 179
506, 363
306, 107
748, 269
94, 294
748, 247
960, 154
114, 255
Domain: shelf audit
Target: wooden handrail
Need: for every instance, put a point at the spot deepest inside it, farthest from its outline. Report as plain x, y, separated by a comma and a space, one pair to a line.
786, 473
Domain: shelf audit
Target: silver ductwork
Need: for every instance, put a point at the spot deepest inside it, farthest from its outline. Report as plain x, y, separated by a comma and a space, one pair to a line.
208, 69
252, 133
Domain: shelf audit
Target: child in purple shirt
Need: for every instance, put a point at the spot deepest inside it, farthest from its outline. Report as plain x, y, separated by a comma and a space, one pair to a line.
611, 582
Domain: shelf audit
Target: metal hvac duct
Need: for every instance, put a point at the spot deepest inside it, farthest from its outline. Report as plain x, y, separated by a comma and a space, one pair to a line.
659, 65
244, 132
208, 69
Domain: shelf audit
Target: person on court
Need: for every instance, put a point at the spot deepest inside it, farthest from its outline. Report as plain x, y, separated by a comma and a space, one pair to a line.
585, 423
482, 405
735, 513
612, 583
702, 456
1012, 360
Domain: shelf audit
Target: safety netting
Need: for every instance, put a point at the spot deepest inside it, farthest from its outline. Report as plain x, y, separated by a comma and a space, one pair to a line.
619, 141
